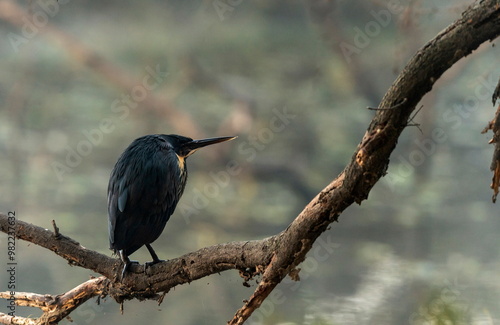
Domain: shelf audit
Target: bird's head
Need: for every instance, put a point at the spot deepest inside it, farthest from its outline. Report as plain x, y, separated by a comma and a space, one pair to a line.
184, 146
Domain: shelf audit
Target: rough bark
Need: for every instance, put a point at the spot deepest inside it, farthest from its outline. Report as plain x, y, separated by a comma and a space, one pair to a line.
277, 256
494, 126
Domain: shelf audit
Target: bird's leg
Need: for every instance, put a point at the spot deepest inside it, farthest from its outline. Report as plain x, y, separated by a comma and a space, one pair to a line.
153, 255
126, 262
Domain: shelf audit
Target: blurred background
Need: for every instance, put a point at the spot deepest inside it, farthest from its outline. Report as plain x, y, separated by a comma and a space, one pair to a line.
81, 79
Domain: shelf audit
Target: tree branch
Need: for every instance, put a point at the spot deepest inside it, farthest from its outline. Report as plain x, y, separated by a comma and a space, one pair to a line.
162, 276
279, 255
494, 126
55, 308
245, 256
479, 23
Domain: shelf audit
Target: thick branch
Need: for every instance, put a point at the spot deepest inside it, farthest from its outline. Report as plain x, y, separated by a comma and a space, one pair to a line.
245, 256
479, 23
161, 277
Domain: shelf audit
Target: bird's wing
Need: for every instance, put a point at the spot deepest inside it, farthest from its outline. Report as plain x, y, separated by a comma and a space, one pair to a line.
122, 195
141, 198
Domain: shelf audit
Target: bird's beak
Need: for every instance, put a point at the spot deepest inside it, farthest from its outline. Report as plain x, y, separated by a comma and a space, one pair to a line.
197, 144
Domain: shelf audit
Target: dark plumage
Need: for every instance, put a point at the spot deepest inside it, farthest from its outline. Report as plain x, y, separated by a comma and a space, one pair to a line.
144, 188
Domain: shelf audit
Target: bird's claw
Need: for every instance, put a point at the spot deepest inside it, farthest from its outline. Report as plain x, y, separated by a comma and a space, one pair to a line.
147, 265
126, 267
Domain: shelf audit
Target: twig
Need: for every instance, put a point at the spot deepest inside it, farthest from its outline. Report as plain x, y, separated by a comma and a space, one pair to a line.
57, 235
388, 108
496, 93
413, 116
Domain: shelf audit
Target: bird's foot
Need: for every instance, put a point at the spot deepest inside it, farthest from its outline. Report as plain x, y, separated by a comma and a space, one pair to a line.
147, 265
126, 263
126, 267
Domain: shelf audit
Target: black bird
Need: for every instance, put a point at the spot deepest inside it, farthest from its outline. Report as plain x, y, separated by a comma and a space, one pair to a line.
144, 188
